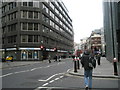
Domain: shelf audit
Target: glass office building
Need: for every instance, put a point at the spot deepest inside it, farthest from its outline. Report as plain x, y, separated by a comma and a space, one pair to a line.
112, 29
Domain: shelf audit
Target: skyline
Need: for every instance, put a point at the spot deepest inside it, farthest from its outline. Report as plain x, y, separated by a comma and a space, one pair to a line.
86, 16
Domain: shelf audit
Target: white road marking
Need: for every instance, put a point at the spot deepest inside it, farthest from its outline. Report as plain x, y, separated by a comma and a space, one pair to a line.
6, 75
21, 71
68, 70
45, 84
57, 78
50, 77
51, 81
33, 70
61, 76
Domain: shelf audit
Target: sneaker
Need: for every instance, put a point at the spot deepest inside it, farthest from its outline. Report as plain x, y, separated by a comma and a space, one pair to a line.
86, 87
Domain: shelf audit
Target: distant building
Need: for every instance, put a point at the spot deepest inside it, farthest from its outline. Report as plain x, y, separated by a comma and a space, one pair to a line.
32, 30
83, 43
95, 40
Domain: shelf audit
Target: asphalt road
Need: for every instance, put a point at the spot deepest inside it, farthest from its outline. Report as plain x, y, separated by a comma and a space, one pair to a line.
50, 76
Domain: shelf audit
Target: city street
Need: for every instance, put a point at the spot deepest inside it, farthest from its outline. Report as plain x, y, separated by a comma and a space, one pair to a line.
55, 76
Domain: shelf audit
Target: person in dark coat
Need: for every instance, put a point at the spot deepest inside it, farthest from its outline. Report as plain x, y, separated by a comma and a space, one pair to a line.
87, 69
98, 59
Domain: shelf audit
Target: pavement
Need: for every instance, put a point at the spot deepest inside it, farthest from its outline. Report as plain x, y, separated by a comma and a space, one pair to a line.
105, 70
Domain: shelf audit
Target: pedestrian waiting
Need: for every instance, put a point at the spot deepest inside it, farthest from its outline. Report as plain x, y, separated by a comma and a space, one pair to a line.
49, 59
88, 62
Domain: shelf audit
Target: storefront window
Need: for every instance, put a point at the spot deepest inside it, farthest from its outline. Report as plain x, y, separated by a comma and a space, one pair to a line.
29, 54
35, 55
24, 55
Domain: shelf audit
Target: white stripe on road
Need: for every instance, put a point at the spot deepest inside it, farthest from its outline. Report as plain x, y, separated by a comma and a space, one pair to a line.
68, 70
57, 78
50, 77
6, 75
51, 81
21, 71
45, 84
32, 70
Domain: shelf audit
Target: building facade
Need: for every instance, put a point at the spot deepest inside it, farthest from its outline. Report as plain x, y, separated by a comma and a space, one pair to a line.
33, 30
111, 28
95, 40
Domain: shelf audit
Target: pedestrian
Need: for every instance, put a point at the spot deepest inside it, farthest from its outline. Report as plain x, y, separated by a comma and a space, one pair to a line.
56, 58
98, 59
86, 61
49, 59
59, 58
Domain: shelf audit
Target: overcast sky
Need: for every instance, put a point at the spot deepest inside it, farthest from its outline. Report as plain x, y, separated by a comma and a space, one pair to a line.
87, 15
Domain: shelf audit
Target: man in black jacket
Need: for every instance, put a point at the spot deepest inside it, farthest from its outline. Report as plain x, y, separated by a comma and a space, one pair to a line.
85, 61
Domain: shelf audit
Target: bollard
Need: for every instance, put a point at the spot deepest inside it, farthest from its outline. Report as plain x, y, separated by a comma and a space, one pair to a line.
115, 66
78, 64
75, 65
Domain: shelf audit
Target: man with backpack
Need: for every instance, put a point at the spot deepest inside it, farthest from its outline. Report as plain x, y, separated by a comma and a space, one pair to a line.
88, 62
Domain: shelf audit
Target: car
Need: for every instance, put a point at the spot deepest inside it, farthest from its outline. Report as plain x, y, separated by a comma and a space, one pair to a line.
9, 58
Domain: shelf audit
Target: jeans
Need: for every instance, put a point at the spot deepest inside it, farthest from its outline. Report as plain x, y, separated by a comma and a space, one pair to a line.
88, 78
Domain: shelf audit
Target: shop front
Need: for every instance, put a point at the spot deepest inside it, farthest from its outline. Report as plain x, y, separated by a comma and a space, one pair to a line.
30, 53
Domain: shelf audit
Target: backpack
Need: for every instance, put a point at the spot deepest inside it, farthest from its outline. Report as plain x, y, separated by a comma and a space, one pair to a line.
92, 62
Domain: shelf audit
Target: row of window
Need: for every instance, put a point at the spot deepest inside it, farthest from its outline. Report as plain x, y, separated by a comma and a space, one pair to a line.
12, 27
30, 14
39, 39
31, 4
55, 17
46, 19
35, 27
12, 39
30, 26
8, 7
9, 17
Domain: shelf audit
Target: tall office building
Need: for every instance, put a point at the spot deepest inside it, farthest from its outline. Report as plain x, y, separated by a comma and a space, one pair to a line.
112, 29
33, 30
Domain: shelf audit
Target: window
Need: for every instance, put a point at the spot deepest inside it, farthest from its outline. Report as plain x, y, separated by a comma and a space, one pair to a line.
29, 54
30, 38
30, 3
24, 3
45, 8
36, 4
30, 14
35, 38
36, 26
36, 15
52, 6
24, 26
15, 15
24, 14
24, 38
30, 26
14, 39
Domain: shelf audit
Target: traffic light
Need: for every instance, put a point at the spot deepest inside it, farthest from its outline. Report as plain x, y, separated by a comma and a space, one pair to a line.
55, 49
41, 48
